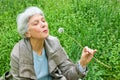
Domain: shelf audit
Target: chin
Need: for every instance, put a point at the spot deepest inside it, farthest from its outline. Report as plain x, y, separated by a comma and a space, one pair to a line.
46, 36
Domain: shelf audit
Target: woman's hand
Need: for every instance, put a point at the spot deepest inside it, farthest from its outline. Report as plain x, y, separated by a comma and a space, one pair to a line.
87, 55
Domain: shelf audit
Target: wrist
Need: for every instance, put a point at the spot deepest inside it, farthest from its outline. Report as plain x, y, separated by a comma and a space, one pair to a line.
82, 63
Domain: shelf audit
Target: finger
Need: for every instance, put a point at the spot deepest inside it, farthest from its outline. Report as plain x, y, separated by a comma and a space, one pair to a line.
85, 49
89, 50
94, 51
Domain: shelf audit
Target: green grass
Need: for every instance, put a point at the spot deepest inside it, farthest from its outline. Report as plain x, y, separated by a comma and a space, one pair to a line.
94, 23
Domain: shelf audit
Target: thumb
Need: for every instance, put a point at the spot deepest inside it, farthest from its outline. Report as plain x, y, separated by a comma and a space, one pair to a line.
94, 51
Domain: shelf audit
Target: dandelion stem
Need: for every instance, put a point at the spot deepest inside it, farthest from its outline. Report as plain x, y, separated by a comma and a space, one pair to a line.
74, 40
82, 47
101, 62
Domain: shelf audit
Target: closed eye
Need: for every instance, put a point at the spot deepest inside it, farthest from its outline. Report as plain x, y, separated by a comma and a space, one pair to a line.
35, 23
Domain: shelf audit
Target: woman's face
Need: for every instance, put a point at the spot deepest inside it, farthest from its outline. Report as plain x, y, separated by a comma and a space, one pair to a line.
37, 27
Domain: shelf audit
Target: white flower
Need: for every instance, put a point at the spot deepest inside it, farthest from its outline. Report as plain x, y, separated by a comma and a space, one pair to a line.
61, 30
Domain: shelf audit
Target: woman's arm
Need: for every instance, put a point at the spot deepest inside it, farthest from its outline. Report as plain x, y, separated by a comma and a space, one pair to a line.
70, 70
75, 71
14, 63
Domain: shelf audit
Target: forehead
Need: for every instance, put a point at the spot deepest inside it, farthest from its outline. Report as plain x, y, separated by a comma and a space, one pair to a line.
35, 17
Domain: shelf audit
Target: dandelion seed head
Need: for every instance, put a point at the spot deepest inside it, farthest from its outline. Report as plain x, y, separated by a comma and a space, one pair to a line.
61, 30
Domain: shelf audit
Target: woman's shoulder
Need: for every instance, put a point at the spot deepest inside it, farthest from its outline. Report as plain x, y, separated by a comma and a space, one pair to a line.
52, 43
15, 50
52, 38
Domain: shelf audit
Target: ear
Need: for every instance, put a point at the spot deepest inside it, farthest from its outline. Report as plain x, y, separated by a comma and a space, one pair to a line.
27, 34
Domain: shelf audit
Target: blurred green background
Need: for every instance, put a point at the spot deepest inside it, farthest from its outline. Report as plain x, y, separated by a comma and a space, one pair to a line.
93, 23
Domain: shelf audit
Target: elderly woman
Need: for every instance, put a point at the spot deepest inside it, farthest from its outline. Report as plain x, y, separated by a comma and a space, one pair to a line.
39, 56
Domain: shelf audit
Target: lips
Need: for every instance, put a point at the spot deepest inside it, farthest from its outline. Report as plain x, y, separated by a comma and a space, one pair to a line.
45, 31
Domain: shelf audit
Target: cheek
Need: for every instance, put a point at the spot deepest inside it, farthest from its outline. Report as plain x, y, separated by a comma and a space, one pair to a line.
47, 25
37, 29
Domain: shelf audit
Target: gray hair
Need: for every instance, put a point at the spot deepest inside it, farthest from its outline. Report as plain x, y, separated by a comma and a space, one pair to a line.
22, 19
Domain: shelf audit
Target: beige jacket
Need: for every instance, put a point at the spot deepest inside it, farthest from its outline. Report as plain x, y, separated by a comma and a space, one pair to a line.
60, 67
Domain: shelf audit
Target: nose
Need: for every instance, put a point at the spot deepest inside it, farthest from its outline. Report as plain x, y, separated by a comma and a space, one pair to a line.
42, 24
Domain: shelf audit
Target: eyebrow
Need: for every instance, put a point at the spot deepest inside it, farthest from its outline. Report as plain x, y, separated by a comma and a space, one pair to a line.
34, 21
37, 20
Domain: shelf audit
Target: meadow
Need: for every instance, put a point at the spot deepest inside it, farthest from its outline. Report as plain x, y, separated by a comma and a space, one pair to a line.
93, 23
